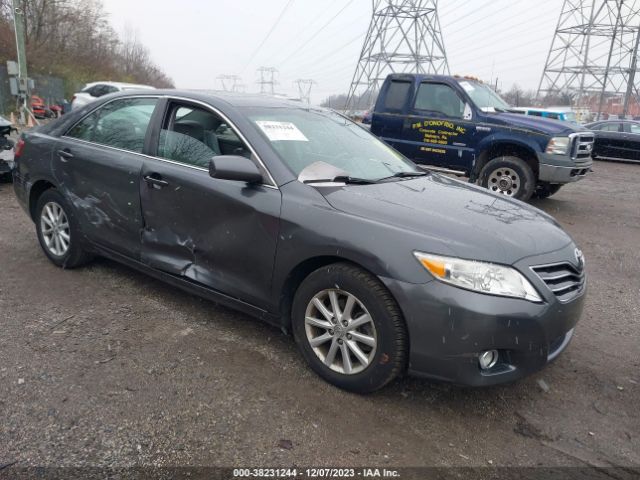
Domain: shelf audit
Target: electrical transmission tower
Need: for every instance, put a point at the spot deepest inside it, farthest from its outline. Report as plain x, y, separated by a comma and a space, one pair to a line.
229, 83
594, 53
304, 89
404, 36
267, 80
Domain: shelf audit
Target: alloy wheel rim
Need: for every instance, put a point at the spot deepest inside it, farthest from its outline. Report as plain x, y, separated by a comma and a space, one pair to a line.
340, 331
54, 225
504, 181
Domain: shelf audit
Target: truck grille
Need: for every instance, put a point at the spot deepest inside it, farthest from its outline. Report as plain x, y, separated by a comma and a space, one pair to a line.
563, 279
581, 145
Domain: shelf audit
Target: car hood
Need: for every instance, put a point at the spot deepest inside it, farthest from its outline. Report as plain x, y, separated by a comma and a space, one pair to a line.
542, 125
453, 218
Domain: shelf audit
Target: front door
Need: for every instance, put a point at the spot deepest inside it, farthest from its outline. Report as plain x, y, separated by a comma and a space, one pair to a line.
100, 159
436, 129
218, 233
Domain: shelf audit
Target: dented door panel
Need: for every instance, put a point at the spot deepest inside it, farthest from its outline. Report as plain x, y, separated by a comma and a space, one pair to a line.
217, 233
102, 185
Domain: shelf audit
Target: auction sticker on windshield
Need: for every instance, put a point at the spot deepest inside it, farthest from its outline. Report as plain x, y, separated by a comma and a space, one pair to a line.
276, 131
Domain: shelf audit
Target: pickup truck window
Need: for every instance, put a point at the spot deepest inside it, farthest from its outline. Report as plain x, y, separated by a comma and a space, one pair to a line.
397, 95
440, 98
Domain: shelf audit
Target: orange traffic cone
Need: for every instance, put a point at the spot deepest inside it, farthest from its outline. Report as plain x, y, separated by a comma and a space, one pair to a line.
30, 121
12, 118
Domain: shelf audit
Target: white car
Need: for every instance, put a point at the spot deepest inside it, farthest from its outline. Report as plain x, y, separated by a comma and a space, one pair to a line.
94, 90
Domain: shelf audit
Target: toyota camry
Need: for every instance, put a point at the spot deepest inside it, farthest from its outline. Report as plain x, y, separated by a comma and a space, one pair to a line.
300, 217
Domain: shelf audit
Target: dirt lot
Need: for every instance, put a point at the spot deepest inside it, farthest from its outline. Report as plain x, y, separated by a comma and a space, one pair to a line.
105, 366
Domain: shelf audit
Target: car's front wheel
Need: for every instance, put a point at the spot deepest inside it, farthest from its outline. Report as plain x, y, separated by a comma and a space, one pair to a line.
509, 176
58, 231
349, 328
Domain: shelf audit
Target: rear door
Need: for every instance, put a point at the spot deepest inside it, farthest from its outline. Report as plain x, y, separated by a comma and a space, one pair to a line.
218, 233
98, 162
632, 141
611, 140
436, 131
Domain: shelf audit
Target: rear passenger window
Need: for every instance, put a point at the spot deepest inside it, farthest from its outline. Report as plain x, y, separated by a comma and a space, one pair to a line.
397, 95
119, 124
440, 98
610, 127
193, 136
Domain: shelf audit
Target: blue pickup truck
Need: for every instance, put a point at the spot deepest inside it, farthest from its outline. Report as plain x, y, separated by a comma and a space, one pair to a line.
460, 125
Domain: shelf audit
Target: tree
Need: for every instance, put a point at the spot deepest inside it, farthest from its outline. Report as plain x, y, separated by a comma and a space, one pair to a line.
72, 39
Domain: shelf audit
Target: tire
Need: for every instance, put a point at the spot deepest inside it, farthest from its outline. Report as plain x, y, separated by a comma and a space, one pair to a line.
545, 190
385, 357
65, 253
509, 176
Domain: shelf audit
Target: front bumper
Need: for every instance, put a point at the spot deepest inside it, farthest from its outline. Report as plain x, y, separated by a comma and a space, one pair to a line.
553, 170
449, 327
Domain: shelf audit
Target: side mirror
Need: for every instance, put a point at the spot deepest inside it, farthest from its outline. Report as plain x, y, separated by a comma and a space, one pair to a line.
234, 167
468, 113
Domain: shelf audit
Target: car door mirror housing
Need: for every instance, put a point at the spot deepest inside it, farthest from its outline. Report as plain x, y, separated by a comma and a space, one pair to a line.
234, 167
467, 113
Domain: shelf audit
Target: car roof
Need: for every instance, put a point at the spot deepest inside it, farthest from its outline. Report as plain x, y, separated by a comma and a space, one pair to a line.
119, 84
217, 96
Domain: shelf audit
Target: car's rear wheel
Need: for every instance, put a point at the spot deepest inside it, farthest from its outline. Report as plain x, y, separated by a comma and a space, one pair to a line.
545, 190
349, 328
509, 176
58, 231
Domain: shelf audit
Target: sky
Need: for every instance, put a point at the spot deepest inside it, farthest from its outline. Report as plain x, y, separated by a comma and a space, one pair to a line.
195, 41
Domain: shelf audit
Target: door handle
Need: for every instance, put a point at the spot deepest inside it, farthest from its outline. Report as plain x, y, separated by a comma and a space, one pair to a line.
65, 155
155, 181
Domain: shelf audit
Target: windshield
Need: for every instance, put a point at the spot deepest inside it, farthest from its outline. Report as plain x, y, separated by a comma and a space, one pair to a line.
302, 137
483, 97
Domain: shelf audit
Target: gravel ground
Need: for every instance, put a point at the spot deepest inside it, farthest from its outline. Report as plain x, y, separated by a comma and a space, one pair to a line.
104, 366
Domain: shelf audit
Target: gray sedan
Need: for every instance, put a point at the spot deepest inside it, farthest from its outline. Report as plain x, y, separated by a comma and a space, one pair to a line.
300, 217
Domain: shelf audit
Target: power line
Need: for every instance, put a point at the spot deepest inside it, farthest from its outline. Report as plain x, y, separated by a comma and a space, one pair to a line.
271, 30
317, 32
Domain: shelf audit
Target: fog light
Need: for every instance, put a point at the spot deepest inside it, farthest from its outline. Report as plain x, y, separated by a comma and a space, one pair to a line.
488, 359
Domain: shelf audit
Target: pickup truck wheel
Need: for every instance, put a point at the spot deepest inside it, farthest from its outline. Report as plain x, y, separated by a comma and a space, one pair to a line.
545, 190
349, 328
510, 176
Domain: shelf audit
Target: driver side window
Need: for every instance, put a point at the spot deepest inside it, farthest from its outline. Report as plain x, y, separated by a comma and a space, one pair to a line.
439, 98
194, 135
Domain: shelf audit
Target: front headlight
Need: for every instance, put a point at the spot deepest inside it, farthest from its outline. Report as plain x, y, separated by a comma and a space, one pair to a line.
479, 276
558, 145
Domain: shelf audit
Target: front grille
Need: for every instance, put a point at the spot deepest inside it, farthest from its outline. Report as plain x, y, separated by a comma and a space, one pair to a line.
563, 279
581, 146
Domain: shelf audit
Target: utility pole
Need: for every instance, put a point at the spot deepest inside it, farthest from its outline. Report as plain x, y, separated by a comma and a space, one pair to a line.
229, 83
404, 36
632, 78
594, 52
304, 89
23, 78
267, 80
606, 69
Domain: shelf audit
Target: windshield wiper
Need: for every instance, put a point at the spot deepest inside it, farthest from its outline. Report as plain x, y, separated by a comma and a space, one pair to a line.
342, 179
405, 175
